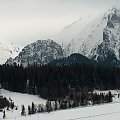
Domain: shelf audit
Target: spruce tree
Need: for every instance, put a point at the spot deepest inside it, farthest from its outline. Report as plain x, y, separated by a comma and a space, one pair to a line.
23, 110
33, 108
4, 115
29, 110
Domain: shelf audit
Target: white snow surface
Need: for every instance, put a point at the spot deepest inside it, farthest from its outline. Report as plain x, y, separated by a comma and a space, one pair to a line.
22, 99
19, 100
65, 35
109, 111
8, 50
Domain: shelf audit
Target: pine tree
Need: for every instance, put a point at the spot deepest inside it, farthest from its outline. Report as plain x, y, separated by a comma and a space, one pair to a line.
29, 110
48, 106
12, 105
23, 110
56, 106
4, 115
109, 97
33, 108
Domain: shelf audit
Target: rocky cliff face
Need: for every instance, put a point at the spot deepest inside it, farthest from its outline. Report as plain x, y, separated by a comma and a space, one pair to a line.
99, 39
109, 49
40, 52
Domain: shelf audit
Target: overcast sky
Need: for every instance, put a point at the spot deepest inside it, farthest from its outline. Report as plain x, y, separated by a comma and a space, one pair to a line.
25, 21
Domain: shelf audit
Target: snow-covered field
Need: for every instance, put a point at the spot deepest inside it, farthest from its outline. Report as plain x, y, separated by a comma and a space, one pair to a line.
19, 100
99, 112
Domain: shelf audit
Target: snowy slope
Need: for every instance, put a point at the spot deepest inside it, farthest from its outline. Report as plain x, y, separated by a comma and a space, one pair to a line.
85, 30
19, 100
100, 34
69, 32
100, 112
7, 50
103, 112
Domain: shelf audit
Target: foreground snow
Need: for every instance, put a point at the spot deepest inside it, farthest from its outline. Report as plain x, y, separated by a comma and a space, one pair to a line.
22, 99
19, 100
100, 112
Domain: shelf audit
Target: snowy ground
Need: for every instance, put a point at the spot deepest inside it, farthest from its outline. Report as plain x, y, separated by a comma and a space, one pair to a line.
100, 112
22, 99
19, 100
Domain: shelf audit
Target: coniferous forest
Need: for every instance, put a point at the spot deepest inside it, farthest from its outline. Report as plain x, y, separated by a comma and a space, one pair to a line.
51, 81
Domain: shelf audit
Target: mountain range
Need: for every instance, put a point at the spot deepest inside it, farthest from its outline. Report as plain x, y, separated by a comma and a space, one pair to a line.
40, 52
98, 39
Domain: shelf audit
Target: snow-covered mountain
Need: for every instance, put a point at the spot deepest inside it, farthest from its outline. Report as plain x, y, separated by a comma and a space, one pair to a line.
65, 35
8, 50
109, 48
97, 39
40, 52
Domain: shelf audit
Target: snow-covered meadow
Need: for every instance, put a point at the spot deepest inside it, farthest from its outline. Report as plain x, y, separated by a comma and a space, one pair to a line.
109, 111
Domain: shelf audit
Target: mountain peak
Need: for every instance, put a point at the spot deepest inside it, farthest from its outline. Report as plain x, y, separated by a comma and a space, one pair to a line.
40, 52
97, 39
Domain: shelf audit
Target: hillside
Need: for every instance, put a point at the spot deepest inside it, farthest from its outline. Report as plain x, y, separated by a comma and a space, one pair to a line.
100, 112
97, 40
75, 58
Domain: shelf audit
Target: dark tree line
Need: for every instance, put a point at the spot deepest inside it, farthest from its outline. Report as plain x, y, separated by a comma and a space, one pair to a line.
4, 102
83, 99
51, 81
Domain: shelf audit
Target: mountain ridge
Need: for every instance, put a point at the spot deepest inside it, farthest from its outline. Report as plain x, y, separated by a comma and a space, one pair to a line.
40, 52
104, 31
74, 58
